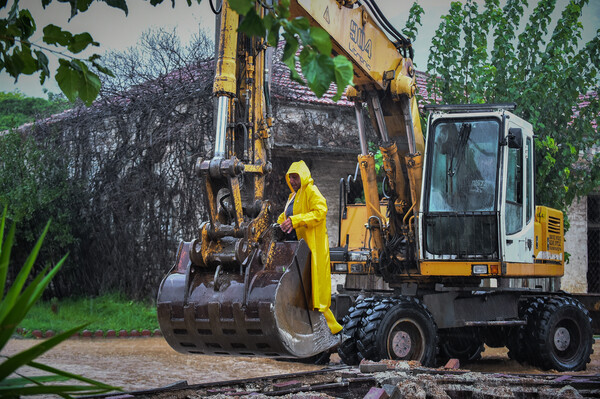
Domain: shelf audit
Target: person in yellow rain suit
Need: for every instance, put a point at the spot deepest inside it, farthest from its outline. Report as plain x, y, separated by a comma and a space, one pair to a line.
305, 213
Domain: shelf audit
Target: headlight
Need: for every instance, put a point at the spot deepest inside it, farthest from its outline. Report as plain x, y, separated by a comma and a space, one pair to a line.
357, 268
340, 267
358, 256
480, 269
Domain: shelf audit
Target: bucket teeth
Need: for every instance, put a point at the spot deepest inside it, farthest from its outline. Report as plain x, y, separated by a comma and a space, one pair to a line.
263, 311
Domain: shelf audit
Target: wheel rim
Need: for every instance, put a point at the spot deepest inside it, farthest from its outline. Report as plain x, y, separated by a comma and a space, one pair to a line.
566, 341
562, 339
406, 340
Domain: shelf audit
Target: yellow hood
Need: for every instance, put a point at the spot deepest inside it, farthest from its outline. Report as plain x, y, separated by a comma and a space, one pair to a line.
302, 170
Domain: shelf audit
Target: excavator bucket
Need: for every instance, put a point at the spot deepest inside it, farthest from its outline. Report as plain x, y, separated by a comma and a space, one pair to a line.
261, 309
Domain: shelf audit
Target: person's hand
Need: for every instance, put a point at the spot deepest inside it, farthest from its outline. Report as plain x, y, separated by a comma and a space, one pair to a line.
287, 226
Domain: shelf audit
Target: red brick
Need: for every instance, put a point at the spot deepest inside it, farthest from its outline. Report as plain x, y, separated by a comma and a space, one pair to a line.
376, 393
86, 333
111, 333
99, 334
123, 333
37, 333
453, 364
146, 333
49, 334
157, 333
134, 333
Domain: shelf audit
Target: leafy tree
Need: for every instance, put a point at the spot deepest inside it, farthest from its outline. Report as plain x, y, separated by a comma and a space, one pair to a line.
17, 109
77, 77
34, 181
479, 56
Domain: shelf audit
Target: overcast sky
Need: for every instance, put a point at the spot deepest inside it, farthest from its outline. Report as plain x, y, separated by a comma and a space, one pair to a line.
115, 31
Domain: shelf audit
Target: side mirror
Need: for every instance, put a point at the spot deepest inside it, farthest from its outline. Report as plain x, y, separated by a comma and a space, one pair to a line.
515, 138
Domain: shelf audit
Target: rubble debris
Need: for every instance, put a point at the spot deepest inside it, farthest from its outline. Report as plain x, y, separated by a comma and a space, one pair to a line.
397, 380
409, 390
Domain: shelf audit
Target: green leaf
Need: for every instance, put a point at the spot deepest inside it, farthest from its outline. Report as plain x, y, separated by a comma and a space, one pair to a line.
273, 35
83, 5
21, 278
252, 24
80, 41
68, 80
321, 40
5, 255
28, 298
22, 358
66, 374
29, 64
17, 311
12, 382
103, 69
242, 7
42, 65
317, 70
301, 23
90, 87
26, 24
55, 35
344, 74
121, 4
289, 56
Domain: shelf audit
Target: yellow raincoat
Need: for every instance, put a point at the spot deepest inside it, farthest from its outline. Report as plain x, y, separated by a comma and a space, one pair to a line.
310, 211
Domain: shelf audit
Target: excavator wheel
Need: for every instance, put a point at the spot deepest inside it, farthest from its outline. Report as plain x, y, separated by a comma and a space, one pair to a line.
563, 335
348, 350
464, 345
519, 342
401, 329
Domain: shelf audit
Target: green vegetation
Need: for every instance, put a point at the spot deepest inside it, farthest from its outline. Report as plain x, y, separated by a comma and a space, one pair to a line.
107, 312
35, 181
15, 302
486, 55
78, 77
17, 109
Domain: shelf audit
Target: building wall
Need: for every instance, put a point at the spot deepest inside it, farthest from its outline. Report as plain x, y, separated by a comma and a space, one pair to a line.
575, 278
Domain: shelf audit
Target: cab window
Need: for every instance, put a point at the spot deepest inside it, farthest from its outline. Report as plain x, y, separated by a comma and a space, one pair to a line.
514, 191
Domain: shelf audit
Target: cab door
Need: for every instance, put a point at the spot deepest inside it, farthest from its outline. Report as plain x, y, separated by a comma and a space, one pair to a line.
517, 207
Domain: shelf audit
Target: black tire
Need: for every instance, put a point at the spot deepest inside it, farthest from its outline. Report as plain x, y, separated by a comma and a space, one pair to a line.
401, 329
464, 345
519, 341
563, 336
352, 321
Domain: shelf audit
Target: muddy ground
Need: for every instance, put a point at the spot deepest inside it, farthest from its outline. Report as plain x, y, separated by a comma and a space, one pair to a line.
143, 363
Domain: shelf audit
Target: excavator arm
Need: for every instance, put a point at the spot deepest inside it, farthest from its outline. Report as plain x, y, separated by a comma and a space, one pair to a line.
237, 289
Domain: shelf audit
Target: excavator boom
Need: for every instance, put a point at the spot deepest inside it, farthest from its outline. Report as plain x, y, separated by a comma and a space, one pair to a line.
238, 289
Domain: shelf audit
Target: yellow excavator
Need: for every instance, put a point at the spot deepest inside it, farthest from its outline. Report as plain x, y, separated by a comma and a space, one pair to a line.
456, 222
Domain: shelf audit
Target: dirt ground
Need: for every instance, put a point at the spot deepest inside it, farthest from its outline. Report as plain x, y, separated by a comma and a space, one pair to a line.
143, 363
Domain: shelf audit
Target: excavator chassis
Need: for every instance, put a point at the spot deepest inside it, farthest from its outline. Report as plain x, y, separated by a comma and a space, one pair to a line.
261, 309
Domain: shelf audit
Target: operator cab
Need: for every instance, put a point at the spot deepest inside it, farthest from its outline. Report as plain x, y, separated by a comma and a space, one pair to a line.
477, 200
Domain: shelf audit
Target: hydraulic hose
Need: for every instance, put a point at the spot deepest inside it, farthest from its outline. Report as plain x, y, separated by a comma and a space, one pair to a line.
388, 27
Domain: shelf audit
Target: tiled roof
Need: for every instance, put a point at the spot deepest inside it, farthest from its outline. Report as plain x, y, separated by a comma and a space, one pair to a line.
283, 87
287, 89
